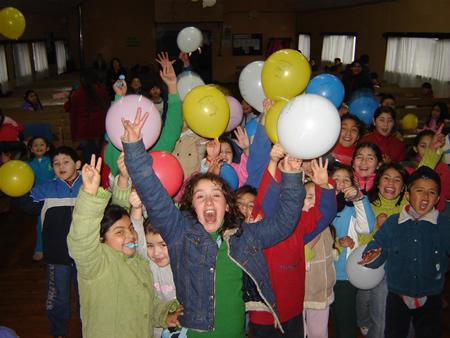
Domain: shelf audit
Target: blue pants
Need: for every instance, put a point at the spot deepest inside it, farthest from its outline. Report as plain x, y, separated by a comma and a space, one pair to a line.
58, 297
39, 246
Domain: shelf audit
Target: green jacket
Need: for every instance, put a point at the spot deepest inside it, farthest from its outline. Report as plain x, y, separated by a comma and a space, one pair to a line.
116, 292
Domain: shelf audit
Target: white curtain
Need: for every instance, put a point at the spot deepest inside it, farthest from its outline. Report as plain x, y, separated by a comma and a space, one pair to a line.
40, 59
22, 64
61, 57
304, 45
412, 61
3, 70
339, 46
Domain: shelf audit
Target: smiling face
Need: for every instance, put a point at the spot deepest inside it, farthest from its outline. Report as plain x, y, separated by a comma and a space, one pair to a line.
157, 249
310, 198
246, 203
39, 147
343, 179
423, 195
365, 162
391, 184
227, 152
64, 167
384, 124
120, 235
424, 143
349, 133
209, 204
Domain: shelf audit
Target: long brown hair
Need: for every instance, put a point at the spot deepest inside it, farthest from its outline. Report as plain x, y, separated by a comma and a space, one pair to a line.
233, 217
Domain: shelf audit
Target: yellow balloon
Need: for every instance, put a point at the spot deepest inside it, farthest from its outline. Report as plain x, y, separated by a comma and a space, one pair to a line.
285, 74
271, 121
16, 178
410, 122
12, 23
206, 111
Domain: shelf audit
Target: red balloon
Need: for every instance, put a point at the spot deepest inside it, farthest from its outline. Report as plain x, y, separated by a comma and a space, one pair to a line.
168, 170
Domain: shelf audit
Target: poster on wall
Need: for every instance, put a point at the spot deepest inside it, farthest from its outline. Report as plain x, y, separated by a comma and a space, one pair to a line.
247, 44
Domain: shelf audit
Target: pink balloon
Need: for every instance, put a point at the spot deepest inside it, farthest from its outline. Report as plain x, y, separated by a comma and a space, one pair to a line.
236, 113
126, 108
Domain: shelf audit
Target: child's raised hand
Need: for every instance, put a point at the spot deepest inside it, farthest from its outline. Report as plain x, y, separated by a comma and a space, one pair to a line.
267, 104
212, 149
120, 87
135, 200
172, 318
370, 256
167, 73
215, 165
346, 242
277, 153
291, 164
90, 173
184, 57
132, 131
123, 172
319, 172
438, 139
351, 193
242, 139
163, 59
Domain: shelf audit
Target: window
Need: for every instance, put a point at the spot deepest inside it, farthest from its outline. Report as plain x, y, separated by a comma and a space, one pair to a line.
3, 70
40, 59
61, 56
22, 64
411, 61
304, 44
339, 46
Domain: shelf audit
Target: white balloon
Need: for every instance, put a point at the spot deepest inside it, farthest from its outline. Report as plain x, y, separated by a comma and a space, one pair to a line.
360, 276
189, 39
186, 82
250, 85
308, 126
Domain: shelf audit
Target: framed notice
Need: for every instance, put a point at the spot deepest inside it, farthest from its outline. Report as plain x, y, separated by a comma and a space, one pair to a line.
247, 44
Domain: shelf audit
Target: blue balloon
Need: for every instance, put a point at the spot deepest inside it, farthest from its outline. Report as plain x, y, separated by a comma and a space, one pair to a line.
363, 107
229, 175
328, 86
251, 127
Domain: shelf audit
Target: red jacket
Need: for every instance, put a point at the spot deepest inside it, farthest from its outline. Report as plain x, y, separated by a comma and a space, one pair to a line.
343, 154
88, 122
390, 145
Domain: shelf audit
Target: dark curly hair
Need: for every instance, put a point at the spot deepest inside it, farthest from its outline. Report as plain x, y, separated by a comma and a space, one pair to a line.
233, 217
373, 193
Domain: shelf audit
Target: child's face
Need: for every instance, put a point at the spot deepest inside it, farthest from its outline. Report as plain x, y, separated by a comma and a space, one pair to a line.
306, 166
423, 195
209, 204
349, 133
226, 152
39, 148
310, 198
155, 92
391, 184
423, 144
384, 124
388, 102
246, 108
157, 249
246, 203
435, 112
343, 179
136, 84
32, 97
65, 168
5, 157
365, 162
120, 234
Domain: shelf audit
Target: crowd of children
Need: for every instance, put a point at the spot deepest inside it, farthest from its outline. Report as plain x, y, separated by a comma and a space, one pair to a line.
276, 248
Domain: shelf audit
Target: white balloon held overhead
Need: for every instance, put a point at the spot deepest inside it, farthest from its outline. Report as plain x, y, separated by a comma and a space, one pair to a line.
189, 39
309, 126
186, 82
361, 276
250, 85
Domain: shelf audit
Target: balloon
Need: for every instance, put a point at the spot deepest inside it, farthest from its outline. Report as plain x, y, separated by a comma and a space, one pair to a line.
229, 175
250, 85
250, 127
272, 116
308, 126
206, 111
12, 23
236, 113
186, 82
328, 86
363, 107
285, 74
168, 170
16, 178
126, 108
410, 122
189, 39
360, 276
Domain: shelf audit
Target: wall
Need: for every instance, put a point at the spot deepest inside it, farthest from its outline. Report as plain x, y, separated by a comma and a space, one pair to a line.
371, 21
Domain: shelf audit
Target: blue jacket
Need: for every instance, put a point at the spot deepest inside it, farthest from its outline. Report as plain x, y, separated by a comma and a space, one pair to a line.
42, 169
192, 250
416, 254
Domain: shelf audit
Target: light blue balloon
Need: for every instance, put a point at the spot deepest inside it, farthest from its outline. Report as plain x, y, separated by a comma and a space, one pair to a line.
328, 86
251, 127
363, 107
229, 175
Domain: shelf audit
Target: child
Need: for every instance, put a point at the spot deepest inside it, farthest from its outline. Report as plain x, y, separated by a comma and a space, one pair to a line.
426, 90
210, 247
245, 200
351, 130
387, 100
354, 217
383, 135
43, 171
116, 293
54, 200
438, 115
31, 101
366, 160
416, 245
156, 98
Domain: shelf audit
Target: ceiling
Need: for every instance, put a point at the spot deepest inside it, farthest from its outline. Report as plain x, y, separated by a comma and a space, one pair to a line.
64, 6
